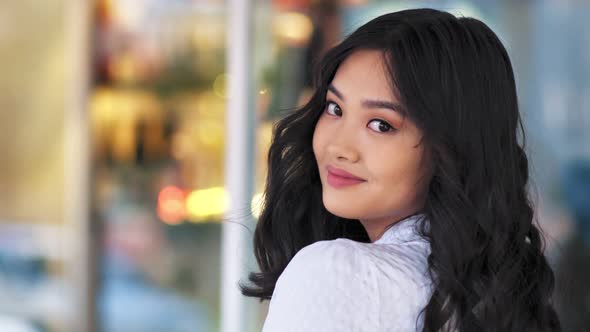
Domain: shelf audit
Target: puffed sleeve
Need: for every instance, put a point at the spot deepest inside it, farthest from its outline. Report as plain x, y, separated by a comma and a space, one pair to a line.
328, 286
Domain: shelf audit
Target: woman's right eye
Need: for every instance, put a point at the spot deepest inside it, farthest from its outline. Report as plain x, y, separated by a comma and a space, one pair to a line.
333, 109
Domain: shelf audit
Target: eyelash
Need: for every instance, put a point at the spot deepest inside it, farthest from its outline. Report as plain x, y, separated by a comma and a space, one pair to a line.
327, 107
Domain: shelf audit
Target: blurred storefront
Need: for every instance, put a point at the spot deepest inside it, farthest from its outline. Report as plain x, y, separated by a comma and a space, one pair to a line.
151, 124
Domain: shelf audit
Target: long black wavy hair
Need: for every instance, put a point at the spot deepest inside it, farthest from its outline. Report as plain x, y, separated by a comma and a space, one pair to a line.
455, 79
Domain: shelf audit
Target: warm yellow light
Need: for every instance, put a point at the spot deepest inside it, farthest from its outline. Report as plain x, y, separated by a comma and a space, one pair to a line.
204, 203
294, 28
103, 105
210, 135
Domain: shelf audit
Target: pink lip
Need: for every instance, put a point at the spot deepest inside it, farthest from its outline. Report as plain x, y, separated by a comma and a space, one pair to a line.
339, 178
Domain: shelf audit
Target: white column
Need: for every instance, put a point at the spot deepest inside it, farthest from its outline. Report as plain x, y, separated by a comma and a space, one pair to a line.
77, 248
237, 312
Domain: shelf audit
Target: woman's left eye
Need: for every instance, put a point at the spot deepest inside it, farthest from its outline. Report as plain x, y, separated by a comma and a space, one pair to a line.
380, 126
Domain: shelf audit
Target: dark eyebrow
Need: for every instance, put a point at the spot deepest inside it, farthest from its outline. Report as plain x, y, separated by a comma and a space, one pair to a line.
335, 91
369, 103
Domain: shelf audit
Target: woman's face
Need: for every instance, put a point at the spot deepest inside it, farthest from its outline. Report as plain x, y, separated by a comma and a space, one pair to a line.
360, 132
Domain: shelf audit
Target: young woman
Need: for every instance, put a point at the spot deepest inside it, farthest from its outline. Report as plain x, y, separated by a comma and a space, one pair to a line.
396, 198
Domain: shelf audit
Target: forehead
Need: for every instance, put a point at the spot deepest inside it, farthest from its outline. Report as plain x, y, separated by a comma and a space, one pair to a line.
365, 74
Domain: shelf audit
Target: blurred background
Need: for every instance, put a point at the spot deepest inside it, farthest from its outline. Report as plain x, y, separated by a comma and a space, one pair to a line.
112, 147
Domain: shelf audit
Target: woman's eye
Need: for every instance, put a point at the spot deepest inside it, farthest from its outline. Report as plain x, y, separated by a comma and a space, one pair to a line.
333, 109
377, 125
380, 126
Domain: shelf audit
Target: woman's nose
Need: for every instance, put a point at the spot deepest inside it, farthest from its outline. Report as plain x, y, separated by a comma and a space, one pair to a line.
343, 147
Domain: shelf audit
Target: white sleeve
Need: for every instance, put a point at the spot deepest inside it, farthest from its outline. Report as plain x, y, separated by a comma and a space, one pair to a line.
328, 286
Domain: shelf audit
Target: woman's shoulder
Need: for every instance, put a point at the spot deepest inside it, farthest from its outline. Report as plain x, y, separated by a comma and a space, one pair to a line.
328, 257
347, 259
347, 251
337, 251
344, 285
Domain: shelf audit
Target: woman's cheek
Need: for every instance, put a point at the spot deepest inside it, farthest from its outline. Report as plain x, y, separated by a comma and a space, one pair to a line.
317, 143
319, 136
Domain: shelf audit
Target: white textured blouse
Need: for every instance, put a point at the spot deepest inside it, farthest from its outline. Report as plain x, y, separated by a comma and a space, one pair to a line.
344, 285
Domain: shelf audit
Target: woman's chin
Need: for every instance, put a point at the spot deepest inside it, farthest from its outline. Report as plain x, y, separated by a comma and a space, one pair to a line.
342, 210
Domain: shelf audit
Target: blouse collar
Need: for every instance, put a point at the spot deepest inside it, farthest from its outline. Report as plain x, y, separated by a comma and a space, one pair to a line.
402, 231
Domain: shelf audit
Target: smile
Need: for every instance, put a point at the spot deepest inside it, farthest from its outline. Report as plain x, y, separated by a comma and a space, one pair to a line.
339, 181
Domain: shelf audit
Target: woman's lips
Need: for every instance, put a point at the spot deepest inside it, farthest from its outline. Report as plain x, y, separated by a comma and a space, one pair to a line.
340, 178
